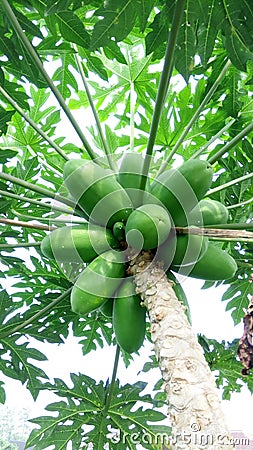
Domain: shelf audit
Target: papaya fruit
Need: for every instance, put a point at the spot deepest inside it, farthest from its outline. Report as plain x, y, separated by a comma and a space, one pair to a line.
189, 249
180, 189
128, 318
98, 282
107, 308
118, 231
180, 293
130, 174
211, 211
215, 265
147, 227
72, 243
97, 192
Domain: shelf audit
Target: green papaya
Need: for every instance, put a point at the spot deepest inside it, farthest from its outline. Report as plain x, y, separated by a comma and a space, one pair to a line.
128, 318
147, 227
189, 249
215, 265
118, 231
180, 293
98, 282
130, 174
72, 243
107, 308
180, 189
211, 211
97, 192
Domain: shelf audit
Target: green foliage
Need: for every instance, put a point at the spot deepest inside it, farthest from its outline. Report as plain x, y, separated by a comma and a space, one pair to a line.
221, 357
83, 415
116, 48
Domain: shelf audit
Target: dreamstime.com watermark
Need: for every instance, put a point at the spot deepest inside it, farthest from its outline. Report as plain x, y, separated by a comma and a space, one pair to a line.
193, 437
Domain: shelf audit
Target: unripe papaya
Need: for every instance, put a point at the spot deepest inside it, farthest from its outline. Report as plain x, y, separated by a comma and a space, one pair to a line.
107, 308
180, 189
72, 243
147, 227
98, 282
215, 265
129, 318
129, 176
211, 211
189, 249
97, 192
118, 231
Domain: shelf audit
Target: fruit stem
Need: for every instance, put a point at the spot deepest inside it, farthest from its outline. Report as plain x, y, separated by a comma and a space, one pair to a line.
202, 105
36, 316
17, 223
219, 233
163, 86
44, 192
233, 226
36, 60
94, 112
229, 183
231, 143
111, 386
33, 124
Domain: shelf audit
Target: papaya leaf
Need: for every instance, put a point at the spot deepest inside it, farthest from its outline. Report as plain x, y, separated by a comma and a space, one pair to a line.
5, 117
118, 20
94, 332
211, 19
17, 365
72, 28
222, 357
64, 77
144, 9
186, 47
2, 393
238, 296
79, 417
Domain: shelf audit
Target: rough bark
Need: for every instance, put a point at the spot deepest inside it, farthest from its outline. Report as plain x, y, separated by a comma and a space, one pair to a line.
195, 410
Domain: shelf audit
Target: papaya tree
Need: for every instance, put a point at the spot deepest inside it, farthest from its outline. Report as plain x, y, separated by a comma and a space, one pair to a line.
126, 165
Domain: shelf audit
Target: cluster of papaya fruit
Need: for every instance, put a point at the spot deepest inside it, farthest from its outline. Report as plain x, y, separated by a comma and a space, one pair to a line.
119, 217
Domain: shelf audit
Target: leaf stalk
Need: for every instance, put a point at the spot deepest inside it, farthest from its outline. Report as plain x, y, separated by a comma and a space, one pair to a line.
163, 86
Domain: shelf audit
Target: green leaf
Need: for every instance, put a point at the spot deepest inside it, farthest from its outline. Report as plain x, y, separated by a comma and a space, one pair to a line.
72, 28
5, 118
144, 9
238, 297
17, 365
65, 78
160, 28
118, 20
211, 18
27, 25
84, 404
186, 46
238, 33
2, 393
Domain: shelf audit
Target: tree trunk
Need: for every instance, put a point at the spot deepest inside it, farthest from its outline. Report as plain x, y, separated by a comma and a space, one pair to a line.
194, 406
